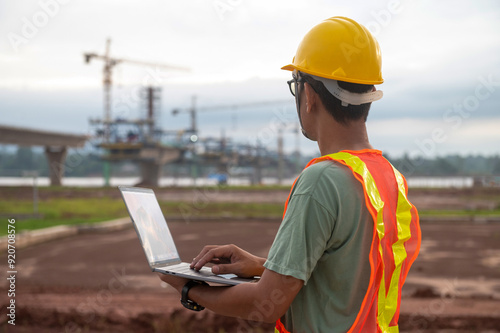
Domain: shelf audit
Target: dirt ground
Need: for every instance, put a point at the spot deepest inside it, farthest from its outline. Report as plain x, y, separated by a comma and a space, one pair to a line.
102, 283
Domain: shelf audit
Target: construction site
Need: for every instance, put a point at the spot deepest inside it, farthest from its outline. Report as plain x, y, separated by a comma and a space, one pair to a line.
142, 141
139, 140
70, 255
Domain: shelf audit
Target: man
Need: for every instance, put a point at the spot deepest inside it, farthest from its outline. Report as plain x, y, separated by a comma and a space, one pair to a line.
349, 234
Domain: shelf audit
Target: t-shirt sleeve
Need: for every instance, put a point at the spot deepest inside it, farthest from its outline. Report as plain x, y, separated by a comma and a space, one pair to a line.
306, 228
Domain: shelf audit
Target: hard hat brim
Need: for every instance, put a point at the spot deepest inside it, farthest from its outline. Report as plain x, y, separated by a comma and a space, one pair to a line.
288, 67
292, 67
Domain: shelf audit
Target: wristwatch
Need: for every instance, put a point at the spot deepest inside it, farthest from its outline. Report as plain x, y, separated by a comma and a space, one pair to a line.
189, 304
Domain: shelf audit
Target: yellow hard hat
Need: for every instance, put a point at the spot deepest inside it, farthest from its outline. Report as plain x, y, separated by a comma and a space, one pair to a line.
339, 48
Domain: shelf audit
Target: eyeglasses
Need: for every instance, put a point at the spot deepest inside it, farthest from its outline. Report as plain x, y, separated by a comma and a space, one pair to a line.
292, 84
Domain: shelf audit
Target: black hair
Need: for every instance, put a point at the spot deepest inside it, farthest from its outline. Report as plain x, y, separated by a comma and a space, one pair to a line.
342, 114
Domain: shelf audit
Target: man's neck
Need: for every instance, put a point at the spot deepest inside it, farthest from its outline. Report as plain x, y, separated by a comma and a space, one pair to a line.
335, 137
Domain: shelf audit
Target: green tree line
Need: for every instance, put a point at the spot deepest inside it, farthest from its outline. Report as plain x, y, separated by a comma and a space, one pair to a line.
81, 164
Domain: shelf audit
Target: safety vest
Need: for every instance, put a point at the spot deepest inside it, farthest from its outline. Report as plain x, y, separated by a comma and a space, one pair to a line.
396, 238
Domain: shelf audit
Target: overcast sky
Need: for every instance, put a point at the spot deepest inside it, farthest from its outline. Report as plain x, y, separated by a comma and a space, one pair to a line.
441, 65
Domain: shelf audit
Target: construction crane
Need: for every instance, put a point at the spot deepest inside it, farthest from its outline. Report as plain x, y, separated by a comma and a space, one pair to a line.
109, 64
146, 150
194, 109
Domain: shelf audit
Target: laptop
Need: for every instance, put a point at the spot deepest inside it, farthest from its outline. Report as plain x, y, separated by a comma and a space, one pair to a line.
157, 242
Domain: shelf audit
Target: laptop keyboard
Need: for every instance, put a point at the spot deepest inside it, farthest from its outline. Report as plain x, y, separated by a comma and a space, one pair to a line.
184, 268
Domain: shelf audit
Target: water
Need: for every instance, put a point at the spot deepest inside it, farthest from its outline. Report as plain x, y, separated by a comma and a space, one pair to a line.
413, 182
440, 182
130, 181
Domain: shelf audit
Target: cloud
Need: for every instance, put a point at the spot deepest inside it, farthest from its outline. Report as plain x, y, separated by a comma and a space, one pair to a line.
434, 54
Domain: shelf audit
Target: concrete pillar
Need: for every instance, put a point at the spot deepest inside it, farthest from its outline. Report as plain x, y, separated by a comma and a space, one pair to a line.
150, 174
56, 157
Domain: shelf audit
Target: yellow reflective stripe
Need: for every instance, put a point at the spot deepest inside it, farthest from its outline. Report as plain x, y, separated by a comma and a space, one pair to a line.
392, 329
276, 330
383, 321
403, 216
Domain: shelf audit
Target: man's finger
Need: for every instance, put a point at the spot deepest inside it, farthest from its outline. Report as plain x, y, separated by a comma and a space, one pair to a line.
206, 258
219, 252
201, 255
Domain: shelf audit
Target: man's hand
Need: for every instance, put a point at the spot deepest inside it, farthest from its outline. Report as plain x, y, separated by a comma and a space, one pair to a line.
229, 259
174, 281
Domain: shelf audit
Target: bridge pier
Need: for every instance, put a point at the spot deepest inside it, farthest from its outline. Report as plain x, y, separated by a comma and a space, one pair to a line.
56, 145
150, 173
56, 157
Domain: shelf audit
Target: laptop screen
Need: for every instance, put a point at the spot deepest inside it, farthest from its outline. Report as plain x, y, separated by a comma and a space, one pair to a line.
150, 223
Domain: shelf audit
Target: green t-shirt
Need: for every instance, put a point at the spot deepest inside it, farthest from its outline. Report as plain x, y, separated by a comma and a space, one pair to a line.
324, 240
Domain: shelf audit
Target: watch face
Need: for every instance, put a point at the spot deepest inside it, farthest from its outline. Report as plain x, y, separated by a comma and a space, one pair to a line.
189, 304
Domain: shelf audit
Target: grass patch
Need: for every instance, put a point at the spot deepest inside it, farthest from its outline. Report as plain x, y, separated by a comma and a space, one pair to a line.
61, 211
65, 211
78, 210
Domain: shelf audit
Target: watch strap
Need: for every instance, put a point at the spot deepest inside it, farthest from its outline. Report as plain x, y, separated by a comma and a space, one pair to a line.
186, 302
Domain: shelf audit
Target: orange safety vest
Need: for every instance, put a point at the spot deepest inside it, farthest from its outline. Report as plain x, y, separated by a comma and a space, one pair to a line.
395, 242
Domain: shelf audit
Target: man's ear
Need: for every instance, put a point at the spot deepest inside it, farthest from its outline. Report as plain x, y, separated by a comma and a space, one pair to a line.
311, 97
